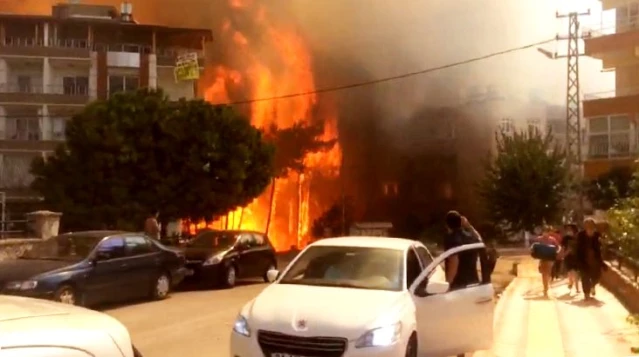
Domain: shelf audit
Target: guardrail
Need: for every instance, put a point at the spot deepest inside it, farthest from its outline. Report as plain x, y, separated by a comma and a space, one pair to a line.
621, 92
627, 265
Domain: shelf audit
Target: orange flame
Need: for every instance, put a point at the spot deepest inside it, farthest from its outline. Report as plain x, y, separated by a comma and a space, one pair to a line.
291, 213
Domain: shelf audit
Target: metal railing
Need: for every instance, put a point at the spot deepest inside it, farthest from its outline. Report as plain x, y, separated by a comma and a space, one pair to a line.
621, 92
627, 265
14, 229
611, 148
611, 27
28, 88
11, 41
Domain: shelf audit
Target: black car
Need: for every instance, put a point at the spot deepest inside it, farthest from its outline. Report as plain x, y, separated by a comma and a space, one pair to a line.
221, 257
88, 268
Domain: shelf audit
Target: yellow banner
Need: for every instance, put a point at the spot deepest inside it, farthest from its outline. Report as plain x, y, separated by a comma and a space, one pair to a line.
187, 68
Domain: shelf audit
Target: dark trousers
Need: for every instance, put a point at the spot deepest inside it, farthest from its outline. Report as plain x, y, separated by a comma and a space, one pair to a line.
589, 279
556, 269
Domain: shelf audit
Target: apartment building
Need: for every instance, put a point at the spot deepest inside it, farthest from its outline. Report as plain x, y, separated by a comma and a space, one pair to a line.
52, 66
611, 117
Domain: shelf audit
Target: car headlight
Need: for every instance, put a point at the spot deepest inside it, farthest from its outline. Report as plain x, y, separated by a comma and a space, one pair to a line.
241, 326
213, 260
379, 337
22, 285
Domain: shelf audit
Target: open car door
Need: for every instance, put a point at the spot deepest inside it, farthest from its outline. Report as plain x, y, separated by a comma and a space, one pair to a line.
453, 322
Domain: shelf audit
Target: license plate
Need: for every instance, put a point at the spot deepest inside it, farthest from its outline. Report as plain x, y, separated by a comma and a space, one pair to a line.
277, 354
188, 272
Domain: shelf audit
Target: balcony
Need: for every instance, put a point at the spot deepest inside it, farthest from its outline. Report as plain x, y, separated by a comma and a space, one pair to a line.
32, 47
609, 150
619, 101
613, 38
37, 94
27, 134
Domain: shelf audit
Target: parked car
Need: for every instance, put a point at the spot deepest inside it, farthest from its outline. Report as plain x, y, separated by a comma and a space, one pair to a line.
88, 268
37, 328
367, 296
221, 257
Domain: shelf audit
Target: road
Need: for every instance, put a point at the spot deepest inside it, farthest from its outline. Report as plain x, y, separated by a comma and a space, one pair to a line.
198, 322
189, 324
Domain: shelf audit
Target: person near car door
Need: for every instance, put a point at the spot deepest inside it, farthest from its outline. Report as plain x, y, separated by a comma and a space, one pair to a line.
151, 225
461, 269
589, 259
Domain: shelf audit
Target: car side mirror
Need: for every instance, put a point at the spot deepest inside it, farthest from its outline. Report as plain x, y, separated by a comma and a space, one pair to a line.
437, 287
272, 275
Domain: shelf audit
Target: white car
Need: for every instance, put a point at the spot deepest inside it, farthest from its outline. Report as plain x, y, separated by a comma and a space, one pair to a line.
366, 296
39, 328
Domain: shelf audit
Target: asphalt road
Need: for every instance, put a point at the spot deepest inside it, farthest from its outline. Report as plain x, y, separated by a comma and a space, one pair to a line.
189, 323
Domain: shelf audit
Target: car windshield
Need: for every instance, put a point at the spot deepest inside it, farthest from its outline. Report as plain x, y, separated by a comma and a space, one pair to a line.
351, 267
64, 247
214, 239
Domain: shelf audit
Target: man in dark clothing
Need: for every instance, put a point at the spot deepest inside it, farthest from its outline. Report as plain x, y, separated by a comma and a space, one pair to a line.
461, 269
589, 259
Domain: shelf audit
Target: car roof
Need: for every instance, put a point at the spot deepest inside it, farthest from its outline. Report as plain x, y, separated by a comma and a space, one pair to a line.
21, 317
96, 234
367, 242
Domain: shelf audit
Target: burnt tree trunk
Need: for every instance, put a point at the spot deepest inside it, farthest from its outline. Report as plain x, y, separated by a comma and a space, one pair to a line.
270, 207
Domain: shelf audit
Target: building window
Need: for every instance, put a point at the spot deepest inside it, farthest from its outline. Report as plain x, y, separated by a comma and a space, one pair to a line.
78, 85
15, 170
609, 137
23, 128
58, 128
123, 83
24, 84
507, 126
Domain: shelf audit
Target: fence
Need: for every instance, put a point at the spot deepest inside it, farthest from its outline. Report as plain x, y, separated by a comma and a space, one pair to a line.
627, 265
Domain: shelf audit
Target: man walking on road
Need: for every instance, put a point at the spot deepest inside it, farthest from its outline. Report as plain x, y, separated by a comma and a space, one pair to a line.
589, 259
151, 225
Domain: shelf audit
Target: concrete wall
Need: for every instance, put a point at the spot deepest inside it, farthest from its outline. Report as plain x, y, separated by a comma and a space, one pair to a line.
13, 248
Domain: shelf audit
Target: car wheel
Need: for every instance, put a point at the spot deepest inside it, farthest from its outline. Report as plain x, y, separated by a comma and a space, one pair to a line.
162, 287
411, 348
230, 276
66, 295
270, 267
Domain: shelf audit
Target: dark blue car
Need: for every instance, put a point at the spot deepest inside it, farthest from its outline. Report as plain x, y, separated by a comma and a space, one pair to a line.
89, 268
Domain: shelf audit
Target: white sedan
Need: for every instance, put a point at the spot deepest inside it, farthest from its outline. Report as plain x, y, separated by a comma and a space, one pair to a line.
39, 328
366, 296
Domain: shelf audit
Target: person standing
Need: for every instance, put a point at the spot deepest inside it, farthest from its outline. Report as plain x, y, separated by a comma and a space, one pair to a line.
569, 256
546, 266
461, 269
589, 259
151, 225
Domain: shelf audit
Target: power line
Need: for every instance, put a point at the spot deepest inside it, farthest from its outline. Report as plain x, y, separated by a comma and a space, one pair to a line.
393, 78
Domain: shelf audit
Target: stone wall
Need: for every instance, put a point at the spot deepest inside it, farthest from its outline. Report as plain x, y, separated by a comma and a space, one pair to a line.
13, 248
626, 290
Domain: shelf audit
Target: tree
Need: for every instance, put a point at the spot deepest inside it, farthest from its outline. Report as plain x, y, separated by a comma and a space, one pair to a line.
138, 151
604, 191
526, 182
293, 145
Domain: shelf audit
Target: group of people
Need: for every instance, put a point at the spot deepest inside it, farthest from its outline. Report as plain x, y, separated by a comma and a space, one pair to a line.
578, 256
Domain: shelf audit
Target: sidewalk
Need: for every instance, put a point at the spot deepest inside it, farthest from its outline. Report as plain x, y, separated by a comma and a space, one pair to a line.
528, 325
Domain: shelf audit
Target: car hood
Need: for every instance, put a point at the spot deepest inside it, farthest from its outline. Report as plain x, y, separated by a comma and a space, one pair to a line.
197, 253
23, 269
324, 310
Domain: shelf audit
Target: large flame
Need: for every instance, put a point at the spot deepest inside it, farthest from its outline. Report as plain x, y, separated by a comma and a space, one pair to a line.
278, 64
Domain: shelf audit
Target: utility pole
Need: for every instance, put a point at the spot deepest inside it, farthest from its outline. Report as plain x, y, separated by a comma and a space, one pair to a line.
573, 143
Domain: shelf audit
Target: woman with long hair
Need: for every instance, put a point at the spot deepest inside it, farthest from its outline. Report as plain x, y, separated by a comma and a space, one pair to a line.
589, 259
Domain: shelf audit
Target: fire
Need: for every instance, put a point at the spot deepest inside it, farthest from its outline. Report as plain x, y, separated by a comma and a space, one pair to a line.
279, 65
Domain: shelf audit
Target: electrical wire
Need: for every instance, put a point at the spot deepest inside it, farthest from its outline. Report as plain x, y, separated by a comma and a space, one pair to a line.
393, 78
